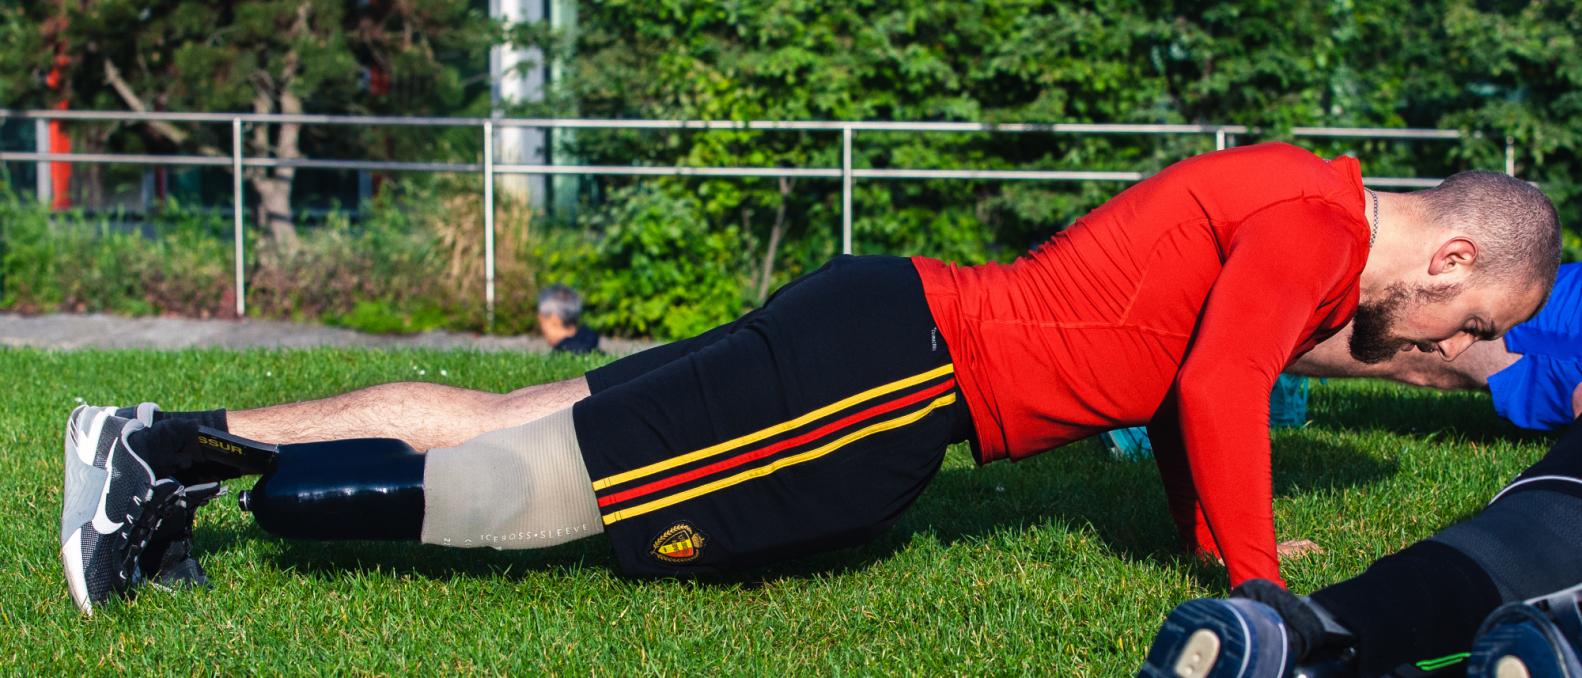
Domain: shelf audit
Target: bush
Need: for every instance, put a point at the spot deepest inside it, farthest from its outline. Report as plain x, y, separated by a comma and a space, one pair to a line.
648, 264
339, 265
73, 262
659, 269
187, 267
385, 274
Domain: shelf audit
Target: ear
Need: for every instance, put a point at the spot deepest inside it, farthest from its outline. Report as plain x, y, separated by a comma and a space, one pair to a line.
1457, 255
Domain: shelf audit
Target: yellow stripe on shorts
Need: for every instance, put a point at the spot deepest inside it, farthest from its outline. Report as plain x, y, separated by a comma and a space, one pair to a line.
761, 434
810, 455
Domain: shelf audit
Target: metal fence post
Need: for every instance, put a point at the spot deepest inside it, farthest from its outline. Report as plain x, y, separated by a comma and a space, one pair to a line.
1219, 139
845, 190
41, 145
1510, 155
236, 214
488, 220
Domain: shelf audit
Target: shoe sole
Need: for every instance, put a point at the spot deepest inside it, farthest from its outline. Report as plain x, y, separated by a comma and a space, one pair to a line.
1198, 655
1529, 647
76, 582
1511, 667
1202, 639
71, 558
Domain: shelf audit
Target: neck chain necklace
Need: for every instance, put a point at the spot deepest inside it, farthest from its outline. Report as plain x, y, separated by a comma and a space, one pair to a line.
1373, 233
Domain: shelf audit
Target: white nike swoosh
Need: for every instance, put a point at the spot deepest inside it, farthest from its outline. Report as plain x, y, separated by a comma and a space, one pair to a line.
102, 522
85, 453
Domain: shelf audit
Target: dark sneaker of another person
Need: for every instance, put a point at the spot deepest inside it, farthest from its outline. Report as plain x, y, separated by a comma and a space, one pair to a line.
1261, 631
1533, 639
1214, 638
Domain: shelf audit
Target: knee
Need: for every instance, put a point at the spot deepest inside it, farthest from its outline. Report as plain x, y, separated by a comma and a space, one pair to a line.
563, 392
1525, 540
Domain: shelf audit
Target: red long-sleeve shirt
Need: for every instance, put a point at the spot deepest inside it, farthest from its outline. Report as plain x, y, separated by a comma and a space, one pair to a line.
1176, 304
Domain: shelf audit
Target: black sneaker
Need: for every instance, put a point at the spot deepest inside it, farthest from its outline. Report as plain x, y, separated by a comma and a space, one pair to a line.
1533, 639
103, 517
167, 560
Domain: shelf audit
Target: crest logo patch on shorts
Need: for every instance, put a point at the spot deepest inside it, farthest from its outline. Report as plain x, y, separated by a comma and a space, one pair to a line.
680, 544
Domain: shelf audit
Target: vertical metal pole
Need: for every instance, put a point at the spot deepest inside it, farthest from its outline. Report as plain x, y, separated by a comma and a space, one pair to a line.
1219, 140
845, 190
1510, 155
488, 219
236, 215
41, 144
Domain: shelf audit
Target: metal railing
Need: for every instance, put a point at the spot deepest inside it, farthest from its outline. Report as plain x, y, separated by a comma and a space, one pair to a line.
1224, 137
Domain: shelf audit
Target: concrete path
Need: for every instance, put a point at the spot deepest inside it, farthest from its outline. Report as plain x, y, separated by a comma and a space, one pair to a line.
71, 331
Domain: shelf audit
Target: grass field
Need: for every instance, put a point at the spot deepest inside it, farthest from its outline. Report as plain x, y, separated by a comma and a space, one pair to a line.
1063, 565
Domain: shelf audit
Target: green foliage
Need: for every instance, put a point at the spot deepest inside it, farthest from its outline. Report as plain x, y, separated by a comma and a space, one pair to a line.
380, 275
260, 56
660, 269
1063, 565
380, 264
237, 55
381, 316
1491, 69
412, 262
73, 262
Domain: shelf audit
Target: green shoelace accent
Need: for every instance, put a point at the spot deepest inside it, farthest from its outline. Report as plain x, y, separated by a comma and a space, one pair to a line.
1442, 662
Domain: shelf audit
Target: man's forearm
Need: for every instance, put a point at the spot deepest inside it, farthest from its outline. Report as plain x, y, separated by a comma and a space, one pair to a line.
1471, 371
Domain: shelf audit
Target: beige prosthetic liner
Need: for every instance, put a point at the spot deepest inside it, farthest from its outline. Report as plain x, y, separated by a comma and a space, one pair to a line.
517, 488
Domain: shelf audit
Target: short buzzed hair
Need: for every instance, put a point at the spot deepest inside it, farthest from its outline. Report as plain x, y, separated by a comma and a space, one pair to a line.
1513, 223
561, 302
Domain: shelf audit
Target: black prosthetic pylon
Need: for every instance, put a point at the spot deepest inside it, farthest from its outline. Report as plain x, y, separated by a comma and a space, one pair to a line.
367, 488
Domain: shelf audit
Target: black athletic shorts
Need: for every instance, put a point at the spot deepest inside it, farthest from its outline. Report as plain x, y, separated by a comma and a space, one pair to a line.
808, 424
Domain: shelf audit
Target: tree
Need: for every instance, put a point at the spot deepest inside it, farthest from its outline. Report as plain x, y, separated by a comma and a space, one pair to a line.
259, 56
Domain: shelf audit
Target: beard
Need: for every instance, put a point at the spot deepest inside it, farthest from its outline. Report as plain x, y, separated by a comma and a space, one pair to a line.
1373, 338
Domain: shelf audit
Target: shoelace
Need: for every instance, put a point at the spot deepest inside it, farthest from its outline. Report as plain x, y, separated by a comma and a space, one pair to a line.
175, 530
165, 500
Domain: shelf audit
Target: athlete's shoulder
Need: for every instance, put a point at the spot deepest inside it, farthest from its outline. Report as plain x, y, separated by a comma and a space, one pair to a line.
1270, 153
1566, 297
1271, 163
1561, 314
1279, 149
1570, 276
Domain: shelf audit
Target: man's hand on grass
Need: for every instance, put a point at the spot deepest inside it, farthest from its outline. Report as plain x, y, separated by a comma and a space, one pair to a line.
1287, 550
1297, 548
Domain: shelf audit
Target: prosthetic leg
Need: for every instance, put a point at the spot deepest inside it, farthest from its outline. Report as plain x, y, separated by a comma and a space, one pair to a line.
517, 488
369, 488
195, 454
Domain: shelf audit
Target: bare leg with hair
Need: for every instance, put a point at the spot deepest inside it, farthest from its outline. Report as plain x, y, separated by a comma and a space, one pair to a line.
421, 414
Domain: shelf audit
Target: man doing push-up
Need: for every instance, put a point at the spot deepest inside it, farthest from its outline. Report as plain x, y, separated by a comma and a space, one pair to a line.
813, 422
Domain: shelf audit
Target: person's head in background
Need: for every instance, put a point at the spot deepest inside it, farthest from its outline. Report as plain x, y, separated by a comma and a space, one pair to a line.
559, 311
